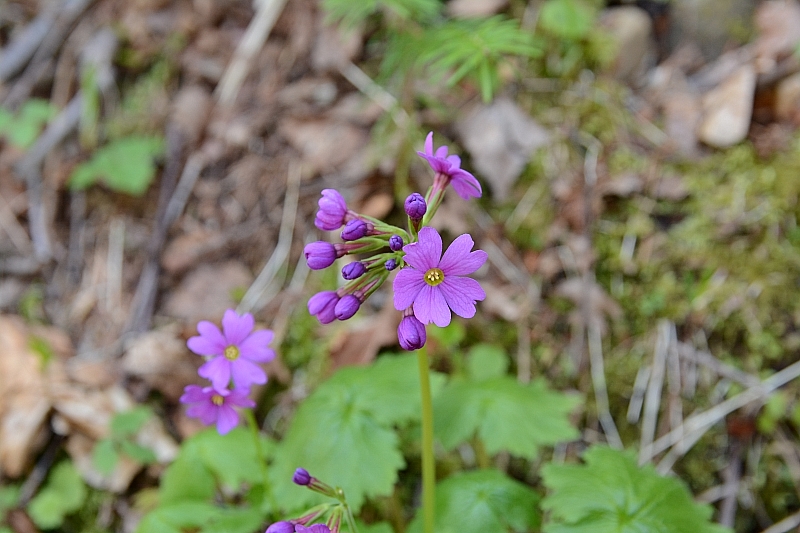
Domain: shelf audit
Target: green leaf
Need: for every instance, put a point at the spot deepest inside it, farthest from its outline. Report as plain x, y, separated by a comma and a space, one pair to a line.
176, 517
611, 494
231, 457
235, 521
9, 496
22, 130
63, 494
351, 14
486, 361
137, 452
130, 422
570, 19
125, 165
507, 415
105, 456
343, 433
186, 479
482, 501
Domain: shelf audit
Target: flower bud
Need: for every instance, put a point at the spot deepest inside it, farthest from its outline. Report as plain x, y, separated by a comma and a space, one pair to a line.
354, 270
281, 527
347, 307
390, 264
316, 528
322, 305
411, 333
332, 210
415, 206
355, 229
319, 255
301, 477
396, 243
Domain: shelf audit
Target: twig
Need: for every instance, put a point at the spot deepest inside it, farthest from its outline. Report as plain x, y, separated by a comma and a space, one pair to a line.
12, 228
252, 41
597, 369
732, 475
254, 295
637, 396
21, 50
291, 294
652, 401
688, 352
674, 382
366, 85
116, 243
784, 525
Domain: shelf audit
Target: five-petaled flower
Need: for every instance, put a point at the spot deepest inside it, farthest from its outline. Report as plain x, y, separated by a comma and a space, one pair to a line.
212, 405
233, 352
434, 283
448, 169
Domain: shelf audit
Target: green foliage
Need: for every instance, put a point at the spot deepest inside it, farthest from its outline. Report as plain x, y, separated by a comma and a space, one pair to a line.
9, 496
203, 517
486, 500
63, 494
22, 129
486, 361
351, 14
611, 494
568, 19
343, 433
475, 48
124, 427
505, 414
124, 165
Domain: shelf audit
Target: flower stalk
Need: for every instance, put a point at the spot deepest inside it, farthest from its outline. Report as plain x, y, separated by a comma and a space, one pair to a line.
428, 457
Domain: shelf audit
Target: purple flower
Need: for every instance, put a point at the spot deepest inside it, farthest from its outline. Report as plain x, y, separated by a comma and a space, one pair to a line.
316, 528
355, 229
411, 333
323, 305
390, 264
434, 284
449, 167
347, 306
320, 255
234, 351
301, 477
415, 206
354, 270
332, 210
396, 243
281, 527
216, 405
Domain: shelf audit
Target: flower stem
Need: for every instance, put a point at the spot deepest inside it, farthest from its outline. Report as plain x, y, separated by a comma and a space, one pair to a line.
428, 459
255, 431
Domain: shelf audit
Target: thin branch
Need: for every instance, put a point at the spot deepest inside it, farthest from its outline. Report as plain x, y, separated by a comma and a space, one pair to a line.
652, 402
597, 369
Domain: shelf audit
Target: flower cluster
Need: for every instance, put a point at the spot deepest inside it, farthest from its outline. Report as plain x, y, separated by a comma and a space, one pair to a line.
232, 358
428, 285
337, 511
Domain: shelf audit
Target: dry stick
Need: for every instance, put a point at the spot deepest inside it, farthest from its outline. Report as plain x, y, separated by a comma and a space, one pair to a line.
252, 41
784, 525
732, 475
697, 424
674, 381
114, 260
366, 85
597, 369
16, 55
688, 352
12, 228
653, 396
292, 293
637, 396
253, 298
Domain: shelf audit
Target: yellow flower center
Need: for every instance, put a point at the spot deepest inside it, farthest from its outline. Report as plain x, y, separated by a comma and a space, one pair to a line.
232, 353
434, 276
217, 400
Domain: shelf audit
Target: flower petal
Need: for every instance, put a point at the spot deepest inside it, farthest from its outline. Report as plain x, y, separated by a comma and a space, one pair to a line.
461, 295
255, 347
206, 412
236, 328
436, 163
455, 162
466, 185
218, 371
430, 247
209, 342
458, 260
441, 152
429, 143
406, 287
227, 419
240, 398
246, 373
193, 394
431, 306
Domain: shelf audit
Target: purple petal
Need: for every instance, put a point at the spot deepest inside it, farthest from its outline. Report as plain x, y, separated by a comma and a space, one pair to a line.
210, 341
227, 419
455, 162
406, 287
429, 144
240, 398
430, 247
437, 164
206, 412
466, 185
457, 259
255, 347
431, 306
414, 257
218, 371
461, 295
236, 328
441, 152
193, 394
246, 373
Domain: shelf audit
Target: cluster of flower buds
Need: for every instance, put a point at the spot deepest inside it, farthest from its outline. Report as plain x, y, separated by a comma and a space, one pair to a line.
232, 358
338, 512
428, 285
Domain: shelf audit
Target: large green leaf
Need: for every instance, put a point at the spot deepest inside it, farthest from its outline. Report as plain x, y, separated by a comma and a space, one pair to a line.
507, 415
611, 494
64, 494
482, 501
125, 165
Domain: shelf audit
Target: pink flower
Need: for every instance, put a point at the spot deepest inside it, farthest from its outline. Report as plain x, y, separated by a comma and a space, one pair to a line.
235, 351
212, 405
448, 168
434, 284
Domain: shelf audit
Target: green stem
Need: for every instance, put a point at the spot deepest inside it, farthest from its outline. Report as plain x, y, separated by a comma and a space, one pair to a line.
428, 459
255, 431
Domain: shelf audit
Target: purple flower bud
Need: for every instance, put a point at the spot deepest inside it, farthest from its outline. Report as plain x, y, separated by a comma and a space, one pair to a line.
390, 264
347, 307
396, 243
355, 229
411, 333
301, 477
354, 270
332, 210
319, 255
415, 206
281, 527
316, 528
322, 305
